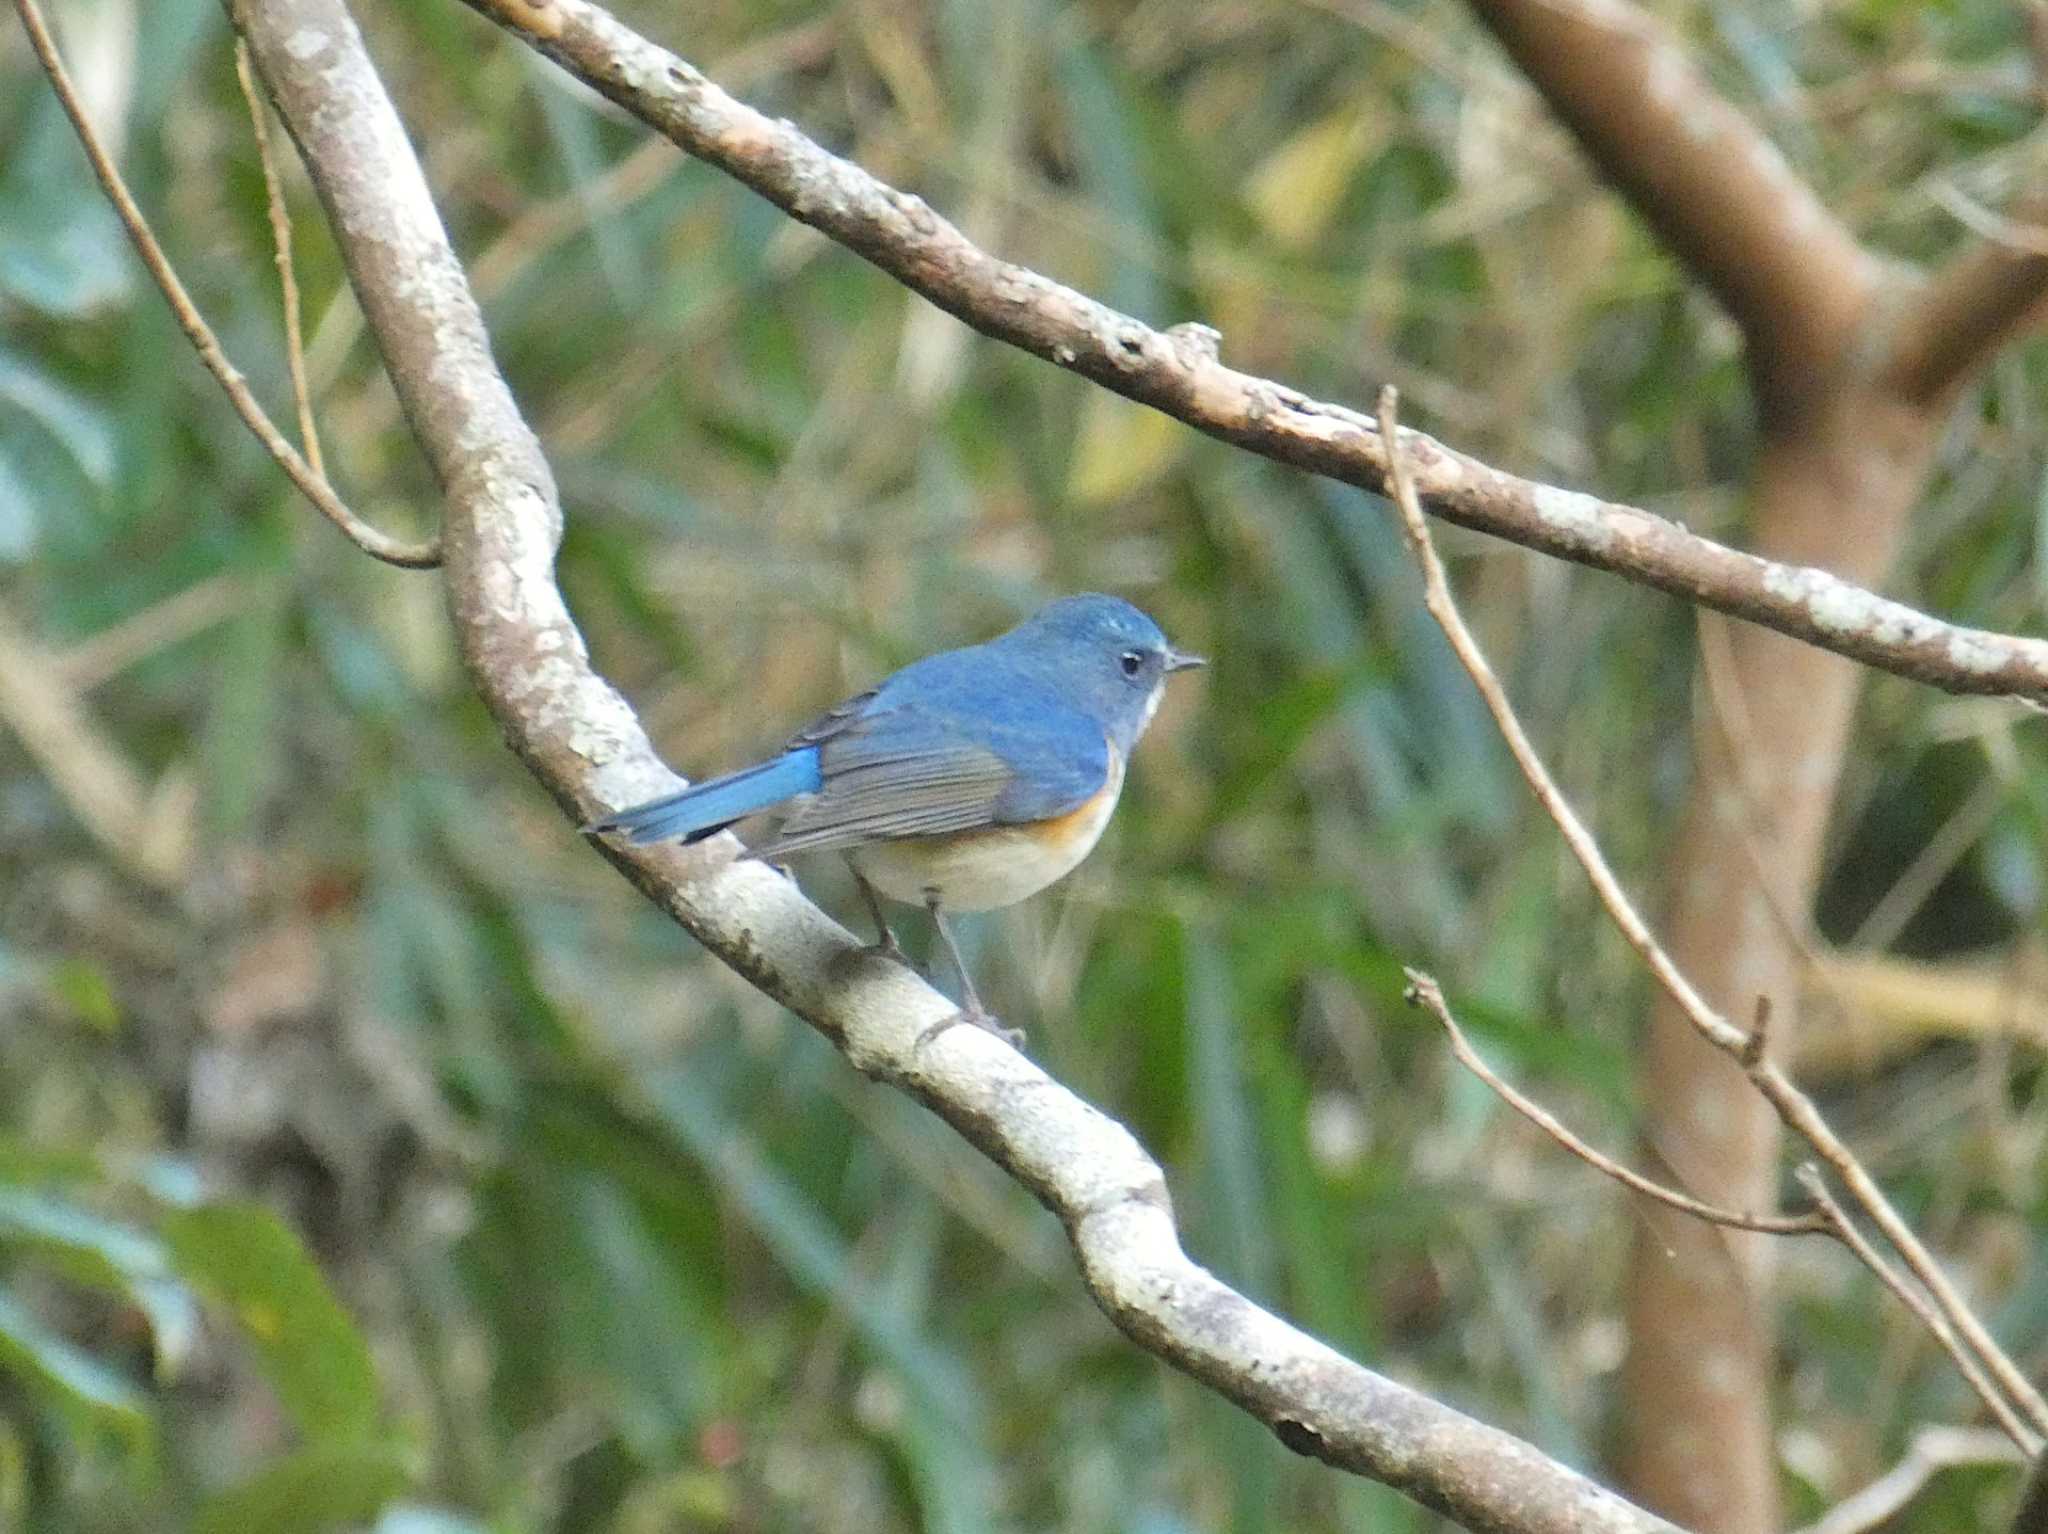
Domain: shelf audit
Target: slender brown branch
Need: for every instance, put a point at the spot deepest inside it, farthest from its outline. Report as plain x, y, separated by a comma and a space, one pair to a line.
145, 830
1984, 296
2032, 1515
1178, 372
1932, 1450
1966, 1363
281, 243
1424, 992
1963, 315
106, 654
529, 663
1714, 187
1800, 1115
1793, 1106
311, 483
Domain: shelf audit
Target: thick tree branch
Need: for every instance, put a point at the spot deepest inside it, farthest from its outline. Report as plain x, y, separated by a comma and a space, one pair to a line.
1957, 321
1722, 199
1177, 372
1705, 177
573, 731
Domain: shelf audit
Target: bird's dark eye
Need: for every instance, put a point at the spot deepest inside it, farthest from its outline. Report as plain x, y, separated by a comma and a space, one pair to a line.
1133, 661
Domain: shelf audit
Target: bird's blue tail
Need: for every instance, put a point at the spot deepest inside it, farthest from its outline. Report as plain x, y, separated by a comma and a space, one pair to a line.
704, 809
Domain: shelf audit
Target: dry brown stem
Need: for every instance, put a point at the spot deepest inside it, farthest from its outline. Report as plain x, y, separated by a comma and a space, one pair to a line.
1424, 992
311, 483
1792, 1106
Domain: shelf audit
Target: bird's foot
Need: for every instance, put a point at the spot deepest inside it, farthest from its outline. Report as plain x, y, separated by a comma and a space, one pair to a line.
980, 1017
886, 947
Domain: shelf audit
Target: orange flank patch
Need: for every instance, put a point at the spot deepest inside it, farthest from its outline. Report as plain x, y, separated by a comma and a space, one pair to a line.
978, 870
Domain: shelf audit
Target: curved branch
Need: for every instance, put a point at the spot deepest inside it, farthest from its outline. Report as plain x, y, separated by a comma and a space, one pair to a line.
1957, 321
1710, 182
528, 661
1177, 372
1794, 1107
311, 482
1424, 992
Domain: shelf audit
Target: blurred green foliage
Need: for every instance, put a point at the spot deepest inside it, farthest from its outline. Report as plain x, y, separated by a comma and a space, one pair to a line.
371, 1156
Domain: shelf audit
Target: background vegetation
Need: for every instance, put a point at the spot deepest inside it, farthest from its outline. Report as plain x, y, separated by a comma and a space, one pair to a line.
370, 1153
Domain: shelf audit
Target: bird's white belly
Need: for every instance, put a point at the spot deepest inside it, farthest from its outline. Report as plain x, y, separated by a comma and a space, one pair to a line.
979, 870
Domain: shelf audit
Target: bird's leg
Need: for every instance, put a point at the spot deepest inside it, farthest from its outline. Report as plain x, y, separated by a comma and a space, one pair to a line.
973, 1012
886, 944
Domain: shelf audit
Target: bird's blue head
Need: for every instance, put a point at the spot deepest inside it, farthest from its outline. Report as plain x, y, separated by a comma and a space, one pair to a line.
1103, 655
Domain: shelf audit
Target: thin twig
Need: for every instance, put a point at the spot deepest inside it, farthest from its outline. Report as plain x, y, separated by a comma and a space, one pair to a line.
1793, 1106
1952, 839
1423, 991
312, 485
145, 830
1799, 1113
1830, 1209
1759, 1034
2025, 239
113, 650
281, 241
1932, 1450
2032, 1515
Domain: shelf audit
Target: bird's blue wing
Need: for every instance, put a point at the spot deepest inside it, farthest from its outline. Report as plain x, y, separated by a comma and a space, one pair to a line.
936, 759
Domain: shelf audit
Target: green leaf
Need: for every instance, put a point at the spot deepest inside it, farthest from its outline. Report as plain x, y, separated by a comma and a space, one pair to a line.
18, 518
101, 1252
412, 1518
311, 1351
313, 1489
83, 987
81, 428
80, 1387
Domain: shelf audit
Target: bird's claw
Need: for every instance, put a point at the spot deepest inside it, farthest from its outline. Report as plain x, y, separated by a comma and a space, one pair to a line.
978, 1017
886, 947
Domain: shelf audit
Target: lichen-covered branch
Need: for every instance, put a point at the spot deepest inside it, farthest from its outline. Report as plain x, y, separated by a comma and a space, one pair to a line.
1178, 372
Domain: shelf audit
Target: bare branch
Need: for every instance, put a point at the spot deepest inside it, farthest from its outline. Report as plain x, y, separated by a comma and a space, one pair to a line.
1965, 312
502, 526
1799, 1114
311, 483
1424, 992
1929, 1317
1792, 1106
287, 275
1986, 295
146, 830
106, 654
1178, 373
1933, 1450
1710, 182
2032, 1517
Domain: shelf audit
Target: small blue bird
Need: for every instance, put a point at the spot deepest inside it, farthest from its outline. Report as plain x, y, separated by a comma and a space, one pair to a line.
968, 780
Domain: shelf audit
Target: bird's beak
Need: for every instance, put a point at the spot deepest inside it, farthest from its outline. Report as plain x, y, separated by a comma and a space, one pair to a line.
1180, 660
